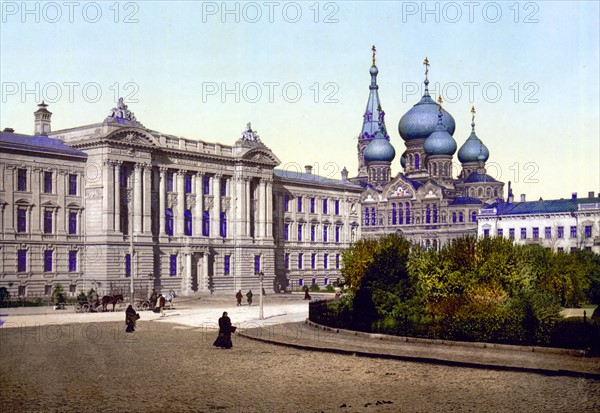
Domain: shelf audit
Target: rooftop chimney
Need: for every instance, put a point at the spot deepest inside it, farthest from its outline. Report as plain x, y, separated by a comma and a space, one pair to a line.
42, 120
522, 197
9, 130
308, 169
344, 175
574, 195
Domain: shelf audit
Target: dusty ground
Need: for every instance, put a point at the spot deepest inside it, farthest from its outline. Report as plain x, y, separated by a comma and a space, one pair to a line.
164, 367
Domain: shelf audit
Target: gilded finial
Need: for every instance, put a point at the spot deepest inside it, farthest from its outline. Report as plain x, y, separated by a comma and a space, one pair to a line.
374, 49
440, 101
426, 63
473, 111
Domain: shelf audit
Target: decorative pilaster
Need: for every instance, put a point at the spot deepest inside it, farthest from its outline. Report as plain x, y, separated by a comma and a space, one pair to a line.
147, 200
117, 195
248, 217
180, 202
269, 208
216, 210
262, 206
108, 207
137, 198
197, 185
162, 200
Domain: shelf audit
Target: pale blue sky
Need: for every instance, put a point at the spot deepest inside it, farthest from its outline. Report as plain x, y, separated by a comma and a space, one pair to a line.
177, 53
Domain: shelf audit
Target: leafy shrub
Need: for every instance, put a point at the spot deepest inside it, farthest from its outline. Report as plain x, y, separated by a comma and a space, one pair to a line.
329, 288
314, 288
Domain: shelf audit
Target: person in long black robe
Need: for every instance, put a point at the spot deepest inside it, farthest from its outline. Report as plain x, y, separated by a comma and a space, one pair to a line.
130, 318
225, 330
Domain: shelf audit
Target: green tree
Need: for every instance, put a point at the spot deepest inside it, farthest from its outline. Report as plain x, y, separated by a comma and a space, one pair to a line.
356, 260
58, 293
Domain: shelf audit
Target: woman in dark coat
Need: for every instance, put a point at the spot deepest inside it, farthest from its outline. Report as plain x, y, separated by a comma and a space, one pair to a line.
225, 330
130, 318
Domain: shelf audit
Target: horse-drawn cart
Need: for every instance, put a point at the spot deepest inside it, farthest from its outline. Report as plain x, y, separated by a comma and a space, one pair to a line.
88, 306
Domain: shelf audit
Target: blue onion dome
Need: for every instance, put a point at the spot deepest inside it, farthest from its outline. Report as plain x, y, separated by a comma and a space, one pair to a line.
440, 142
473, 147
379, 149
403, 160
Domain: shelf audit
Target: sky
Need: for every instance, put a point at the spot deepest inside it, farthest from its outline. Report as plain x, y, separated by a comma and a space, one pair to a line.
299, 71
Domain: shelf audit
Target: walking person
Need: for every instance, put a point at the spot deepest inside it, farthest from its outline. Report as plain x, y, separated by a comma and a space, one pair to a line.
130, 318
225, 329
239, 297
249, 297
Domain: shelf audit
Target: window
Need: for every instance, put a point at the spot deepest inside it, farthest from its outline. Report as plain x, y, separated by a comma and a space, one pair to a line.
169, 221
21, 179
123, 177
523, 233
560, 249
500, 232
313, 261
511, 233
337, 261
416, 161
486, 233
22, 290
223, 186
547, 232
206, 185
72, 184
72, 223
561, 232
48, 182
573, 231
72, 261
373, 217
226, 264
173, 265
407, 213
325, 233
460, 217
400, 215
325, 281
337, 206
536, 232
435, 214
427, 214
394, 221
206, 223
257, 263
169, 181
366, 217
48, 260
473, 216
314, 281
22, 260
325, 261
187, 222
312, 205
287, 260
337, 234
47, 289
47, 222
223, 225
299, 204
286, 231
127, 265
300, 282
588, 231
454, 217
313, 235
300, 260
188, 184
324, 206
299, 232
286, 202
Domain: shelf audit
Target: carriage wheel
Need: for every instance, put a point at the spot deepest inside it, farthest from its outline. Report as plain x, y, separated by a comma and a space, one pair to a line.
145, 305
139, 306
78, 308
85, 308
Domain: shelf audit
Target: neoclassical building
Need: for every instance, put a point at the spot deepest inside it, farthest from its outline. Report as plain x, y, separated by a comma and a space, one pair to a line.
426, 202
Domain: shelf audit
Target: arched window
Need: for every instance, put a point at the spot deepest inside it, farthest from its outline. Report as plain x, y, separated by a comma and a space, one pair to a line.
435, 169
480, 192
454, 217
205, 223
427, 214
373, 217
394, 214
474, 216
471, 191
416, 161
400, 215
407, 205
366, 217
187, 222
427, 244
460, 217
488, 192
435, 244
435, 214
169, 221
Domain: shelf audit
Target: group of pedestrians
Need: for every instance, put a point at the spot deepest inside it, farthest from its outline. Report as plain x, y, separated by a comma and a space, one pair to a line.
239, 297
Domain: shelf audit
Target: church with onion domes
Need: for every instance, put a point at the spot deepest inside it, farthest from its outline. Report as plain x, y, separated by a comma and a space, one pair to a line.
427, 202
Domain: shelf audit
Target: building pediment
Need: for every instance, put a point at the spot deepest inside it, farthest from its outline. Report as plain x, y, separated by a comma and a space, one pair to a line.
399, 188
430, 190
261, 155
131, 136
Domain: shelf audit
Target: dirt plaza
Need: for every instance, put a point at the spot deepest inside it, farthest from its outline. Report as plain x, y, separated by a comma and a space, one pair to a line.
169, 365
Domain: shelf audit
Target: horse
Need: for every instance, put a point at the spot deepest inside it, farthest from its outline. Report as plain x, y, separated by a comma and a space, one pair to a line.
169, 298
111, 299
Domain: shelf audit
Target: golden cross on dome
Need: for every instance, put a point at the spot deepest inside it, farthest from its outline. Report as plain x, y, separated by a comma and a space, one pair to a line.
473, 111
426, 63
374, 49
440, 101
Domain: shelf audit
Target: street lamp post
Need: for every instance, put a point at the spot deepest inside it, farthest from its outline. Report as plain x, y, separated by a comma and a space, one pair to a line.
261, 276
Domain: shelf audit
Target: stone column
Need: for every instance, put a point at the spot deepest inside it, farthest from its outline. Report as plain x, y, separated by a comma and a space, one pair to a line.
269, 210
248, 217
147, 197
238, 202
197, 187
117, 195
204, 277
108, 223
137, 198
216, 211
180, 203
262, 209
187, 271
162, 194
